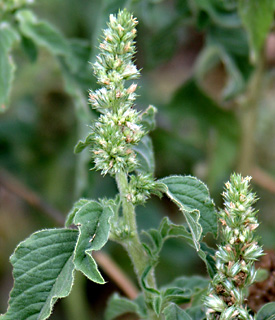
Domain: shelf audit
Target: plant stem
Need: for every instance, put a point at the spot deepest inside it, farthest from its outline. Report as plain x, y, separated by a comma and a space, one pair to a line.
133, 245
248, 118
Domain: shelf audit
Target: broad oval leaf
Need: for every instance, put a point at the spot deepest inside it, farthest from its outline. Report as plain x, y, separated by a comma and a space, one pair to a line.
193, 199
267, 312
43, 272
94, 227
173, 312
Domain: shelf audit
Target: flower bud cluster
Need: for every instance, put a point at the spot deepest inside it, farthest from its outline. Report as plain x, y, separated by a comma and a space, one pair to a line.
9, 5
140, 188
236, 255
119, 126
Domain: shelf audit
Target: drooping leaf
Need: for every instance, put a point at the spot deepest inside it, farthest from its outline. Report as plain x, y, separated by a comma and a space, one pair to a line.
267, 312
173, 312
145, 155
257, 17
8, 37
193, 199
118, 306
94, 228
43, 272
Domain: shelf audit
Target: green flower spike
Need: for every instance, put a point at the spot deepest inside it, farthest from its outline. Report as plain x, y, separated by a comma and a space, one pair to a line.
118, 128
236, 255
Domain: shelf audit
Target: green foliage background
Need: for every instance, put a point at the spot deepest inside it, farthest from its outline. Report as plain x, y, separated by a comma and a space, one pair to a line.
197, 59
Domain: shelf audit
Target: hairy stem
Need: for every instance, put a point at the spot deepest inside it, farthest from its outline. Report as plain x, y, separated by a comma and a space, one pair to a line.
133, 245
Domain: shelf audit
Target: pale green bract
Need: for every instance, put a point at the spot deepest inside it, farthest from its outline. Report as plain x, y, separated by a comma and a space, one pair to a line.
43, 272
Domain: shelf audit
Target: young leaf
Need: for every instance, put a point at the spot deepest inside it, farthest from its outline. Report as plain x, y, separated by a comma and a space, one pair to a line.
145, 155
267, 312
81, 145
173, 312
193, 199
43, 272
7, 38
257, 17
118, 306
148, 118
94, 228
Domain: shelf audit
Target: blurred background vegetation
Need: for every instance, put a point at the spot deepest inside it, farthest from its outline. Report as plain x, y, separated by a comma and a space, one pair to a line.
216, 115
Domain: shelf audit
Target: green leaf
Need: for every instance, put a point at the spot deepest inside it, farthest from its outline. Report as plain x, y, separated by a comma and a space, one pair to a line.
157, 304
193, 283
219, 13
145, 155
118, 306
94, 228
42, 33
43, 272
30, 48
193, 199
77, 206
7, 68
267, 312
167, 230
176, 295
257, 17
173, 312
148, 118
81, 145
196, 313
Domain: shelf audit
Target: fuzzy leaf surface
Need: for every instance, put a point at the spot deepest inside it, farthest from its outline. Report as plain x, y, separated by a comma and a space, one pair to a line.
7, 38
43, 272
193, 199
267, 312
173, 312
257, 17
94, 228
